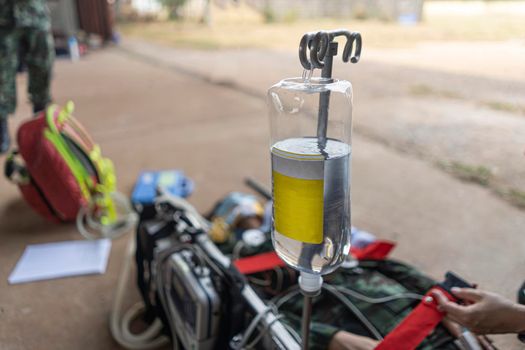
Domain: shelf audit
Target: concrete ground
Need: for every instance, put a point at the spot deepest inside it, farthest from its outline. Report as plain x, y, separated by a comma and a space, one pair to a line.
155, 108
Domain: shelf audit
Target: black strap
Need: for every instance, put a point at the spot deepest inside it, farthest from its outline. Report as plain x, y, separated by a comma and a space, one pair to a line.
13, 167
148, 232
9, 167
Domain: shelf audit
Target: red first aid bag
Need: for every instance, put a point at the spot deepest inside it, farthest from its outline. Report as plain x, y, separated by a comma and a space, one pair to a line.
58, 167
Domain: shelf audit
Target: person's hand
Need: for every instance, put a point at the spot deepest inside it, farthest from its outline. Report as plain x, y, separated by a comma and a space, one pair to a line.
347, 341
484, 312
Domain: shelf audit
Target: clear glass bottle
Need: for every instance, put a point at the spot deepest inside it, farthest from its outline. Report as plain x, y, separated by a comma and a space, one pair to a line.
311, 136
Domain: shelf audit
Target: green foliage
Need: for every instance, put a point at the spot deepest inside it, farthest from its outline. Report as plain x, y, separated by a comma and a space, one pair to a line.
173, 7
291, 16
360, 12
269, 15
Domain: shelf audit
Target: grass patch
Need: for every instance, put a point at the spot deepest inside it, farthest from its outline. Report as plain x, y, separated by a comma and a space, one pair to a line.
425, 90
504, 107
478, 174
516, 197
421, 90
483, 176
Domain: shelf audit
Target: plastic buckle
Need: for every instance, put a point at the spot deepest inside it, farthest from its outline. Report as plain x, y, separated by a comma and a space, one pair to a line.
452, 280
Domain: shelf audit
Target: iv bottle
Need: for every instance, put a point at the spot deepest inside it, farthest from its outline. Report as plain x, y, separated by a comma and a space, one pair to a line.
311, 134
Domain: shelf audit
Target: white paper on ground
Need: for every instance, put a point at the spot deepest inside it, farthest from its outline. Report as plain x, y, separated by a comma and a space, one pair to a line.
61, 259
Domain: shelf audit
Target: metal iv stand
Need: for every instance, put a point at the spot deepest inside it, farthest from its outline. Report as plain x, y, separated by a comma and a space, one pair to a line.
322, 50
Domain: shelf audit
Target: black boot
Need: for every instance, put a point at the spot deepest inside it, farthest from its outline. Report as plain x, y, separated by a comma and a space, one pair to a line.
5, 140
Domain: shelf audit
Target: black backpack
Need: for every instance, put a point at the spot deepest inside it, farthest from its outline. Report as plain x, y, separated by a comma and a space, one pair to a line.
161, 223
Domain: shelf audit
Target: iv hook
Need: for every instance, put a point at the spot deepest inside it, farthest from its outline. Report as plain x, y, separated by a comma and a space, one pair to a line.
319, 43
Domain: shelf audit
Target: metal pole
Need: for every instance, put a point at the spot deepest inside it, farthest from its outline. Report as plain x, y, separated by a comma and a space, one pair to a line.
257, 187
310, 285
307, 315
324, 99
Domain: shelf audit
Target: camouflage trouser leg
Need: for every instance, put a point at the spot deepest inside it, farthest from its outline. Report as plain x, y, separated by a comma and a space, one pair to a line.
40, 54
9, 40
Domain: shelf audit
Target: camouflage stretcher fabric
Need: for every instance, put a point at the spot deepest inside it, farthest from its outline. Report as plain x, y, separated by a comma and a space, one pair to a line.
25, 27
374, 279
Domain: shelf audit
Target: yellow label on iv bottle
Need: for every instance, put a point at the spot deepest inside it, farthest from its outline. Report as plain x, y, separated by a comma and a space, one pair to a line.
298, 189
298, 207
311, 208
310, 189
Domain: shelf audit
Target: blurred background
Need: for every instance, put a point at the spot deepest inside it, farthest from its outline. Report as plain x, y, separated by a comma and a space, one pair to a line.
438, 143
476, 45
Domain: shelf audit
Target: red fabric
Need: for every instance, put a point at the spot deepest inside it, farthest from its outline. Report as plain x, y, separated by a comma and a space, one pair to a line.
49, 171
35, 200
377, 250
258, 263
416, 326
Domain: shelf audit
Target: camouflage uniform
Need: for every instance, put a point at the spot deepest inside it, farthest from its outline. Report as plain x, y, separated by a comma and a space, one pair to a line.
27, 23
